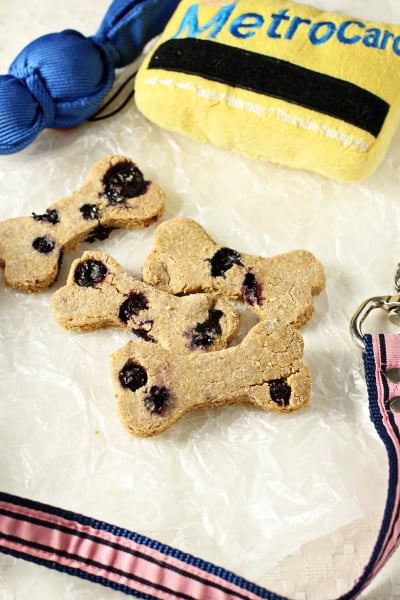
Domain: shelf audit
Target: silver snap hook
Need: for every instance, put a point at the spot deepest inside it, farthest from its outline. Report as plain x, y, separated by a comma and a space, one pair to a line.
391, 304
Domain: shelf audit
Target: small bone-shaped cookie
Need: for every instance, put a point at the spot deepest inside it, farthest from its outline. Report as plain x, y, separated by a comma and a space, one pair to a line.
155, 388
114, 195
184, 259
99, 293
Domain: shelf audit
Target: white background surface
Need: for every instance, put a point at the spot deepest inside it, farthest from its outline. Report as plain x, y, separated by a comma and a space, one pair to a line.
293, 503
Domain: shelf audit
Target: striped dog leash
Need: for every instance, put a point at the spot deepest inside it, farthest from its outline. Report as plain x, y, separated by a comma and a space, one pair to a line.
145, 568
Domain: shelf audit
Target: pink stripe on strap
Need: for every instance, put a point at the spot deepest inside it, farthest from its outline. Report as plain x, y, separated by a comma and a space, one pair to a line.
387, 356
78, 546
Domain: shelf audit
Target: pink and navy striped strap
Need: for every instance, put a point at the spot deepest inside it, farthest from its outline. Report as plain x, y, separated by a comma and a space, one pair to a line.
144, 568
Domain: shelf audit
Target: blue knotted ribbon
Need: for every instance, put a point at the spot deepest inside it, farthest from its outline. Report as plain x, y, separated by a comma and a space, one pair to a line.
59, 80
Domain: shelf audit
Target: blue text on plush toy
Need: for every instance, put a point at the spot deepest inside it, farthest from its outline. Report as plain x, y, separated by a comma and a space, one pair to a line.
284, 26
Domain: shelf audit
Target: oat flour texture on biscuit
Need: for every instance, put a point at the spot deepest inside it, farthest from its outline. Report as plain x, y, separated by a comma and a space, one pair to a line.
185, 259
155, 387
114, 195
279, 81
99, 294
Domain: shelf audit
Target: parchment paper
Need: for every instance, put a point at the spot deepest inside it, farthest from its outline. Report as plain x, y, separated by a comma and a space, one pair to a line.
292, 502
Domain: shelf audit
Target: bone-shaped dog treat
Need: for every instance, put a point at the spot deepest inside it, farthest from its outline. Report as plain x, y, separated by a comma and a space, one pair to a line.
155, 388
185, 259
99, 293
114, 195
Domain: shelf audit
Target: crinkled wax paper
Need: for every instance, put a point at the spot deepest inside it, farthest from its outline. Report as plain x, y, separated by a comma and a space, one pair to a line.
291, 502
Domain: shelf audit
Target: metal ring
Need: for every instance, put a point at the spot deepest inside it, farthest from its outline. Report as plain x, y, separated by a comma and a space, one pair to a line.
391, 304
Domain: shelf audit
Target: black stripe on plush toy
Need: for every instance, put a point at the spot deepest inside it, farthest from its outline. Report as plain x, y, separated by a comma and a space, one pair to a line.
273, 77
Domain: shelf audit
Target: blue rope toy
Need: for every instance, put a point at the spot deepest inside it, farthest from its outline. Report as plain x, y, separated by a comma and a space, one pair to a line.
61, 79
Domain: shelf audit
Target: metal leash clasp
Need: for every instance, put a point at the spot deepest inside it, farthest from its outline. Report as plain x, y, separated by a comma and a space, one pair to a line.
391, 304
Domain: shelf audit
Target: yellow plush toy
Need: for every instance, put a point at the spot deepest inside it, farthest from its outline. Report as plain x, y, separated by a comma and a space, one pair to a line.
278, 81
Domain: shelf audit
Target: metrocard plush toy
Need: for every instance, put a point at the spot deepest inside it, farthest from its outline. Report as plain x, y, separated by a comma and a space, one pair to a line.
272, 79
278, 81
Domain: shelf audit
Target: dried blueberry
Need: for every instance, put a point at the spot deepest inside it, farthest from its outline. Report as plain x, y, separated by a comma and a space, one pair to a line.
132, 376
143, 333
135, 302
280, 391
90, 212
251, 290
156, 401
204, 334
50, 216
223, 260
100, 232
123, 180
44, 244
90, 273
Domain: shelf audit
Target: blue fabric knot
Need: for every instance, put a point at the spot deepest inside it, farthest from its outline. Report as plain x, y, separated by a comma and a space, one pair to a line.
60, 79
40, 93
